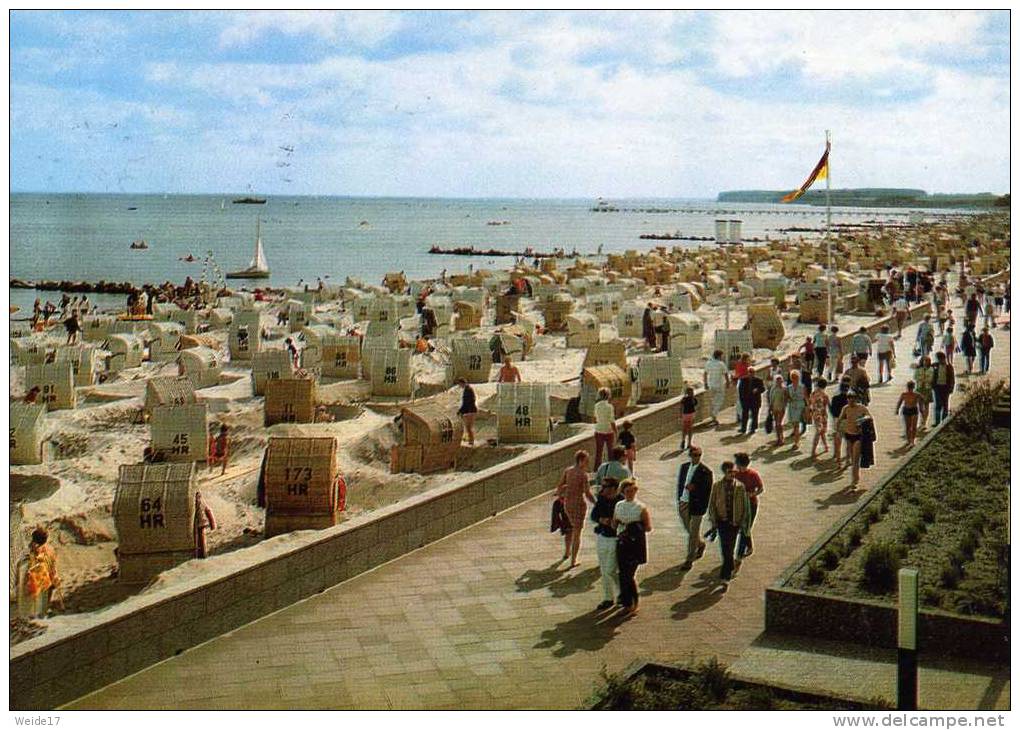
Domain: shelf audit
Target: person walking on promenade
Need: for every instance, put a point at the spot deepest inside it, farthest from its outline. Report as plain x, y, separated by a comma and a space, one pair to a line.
754, 486
971, 310
885, 346
925, 337
985, 343
628, 442
796, 402
730, 511
902, 308
605, 425
468, 410
572, 491
859, 380
924, 379
835, 348
605, 541
818, 407
807, 353
717, 378
949, 345
749, 391
861, 343
777, 398
968, 347
943, 384
632, 522
740, 370
910, 403
688, 407
693, 487
612, 468
821, 344
849, 420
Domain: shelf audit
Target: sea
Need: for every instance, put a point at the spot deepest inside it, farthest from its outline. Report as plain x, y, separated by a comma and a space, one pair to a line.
87, 237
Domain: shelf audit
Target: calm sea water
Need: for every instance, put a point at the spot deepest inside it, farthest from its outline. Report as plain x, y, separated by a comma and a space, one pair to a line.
87, 237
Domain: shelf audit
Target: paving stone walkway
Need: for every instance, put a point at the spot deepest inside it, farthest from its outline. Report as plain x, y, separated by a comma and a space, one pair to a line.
489, 618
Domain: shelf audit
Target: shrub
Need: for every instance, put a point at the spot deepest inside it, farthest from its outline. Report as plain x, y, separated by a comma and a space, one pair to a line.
886, 502
976, 418
714, 678
950, 576
854, 536
928, 511
873, 515
913, 531
830, 558
880, 564
815, 573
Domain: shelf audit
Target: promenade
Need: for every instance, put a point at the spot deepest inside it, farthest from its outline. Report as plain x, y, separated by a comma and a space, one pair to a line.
489, 618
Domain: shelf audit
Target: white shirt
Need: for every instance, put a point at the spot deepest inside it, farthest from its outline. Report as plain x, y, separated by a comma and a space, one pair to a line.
627, 512
900, 305
716, 370
685, 496
604, 416
883, 342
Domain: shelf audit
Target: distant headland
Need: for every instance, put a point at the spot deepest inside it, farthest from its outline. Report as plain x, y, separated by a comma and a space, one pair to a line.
873, 197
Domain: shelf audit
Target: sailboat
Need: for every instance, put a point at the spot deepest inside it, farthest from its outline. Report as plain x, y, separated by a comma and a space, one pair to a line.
258, 268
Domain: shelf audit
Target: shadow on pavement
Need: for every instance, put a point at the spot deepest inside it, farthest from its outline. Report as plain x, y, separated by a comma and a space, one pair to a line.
671, 455
579, 583
532, 580
668, 580
590, 631
712, 591
838, 498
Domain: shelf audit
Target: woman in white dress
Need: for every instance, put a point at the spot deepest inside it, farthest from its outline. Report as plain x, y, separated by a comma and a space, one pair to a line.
632, 522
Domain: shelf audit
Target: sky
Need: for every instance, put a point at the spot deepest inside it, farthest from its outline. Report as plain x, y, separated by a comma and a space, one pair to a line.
506, 104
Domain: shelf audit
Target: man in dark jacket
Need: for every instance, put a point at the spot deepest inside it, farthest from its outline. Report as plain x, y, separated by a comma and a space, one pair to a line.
943, 383
750, 390
693, 487
648, 327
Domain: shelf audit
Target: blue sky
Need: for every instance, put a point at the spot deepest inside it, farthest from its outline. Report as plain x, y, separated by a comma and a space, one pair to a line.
518, 104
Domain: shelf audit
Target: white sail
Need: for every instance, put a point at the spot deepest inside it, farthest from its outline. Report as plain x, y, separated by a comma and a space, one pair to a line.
258, 263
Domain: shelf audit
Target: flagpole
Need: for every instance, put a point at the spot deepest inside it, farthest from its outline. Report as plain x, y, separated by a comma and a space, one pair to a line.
828, 223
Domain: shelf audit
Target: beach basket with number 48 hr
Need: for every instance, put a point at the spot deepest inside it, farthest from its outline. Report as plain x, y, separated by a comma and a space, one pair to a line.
303, 485
522, 413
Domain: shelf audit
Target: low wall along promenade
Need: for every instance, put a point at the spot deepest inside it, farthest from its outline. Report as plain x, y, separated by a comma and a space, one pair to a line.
65, 663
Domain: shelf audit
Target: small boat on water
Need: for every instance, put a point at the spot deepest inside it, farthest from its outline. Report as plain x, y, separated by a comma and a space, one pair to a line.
258, 268
139, 245
249, 201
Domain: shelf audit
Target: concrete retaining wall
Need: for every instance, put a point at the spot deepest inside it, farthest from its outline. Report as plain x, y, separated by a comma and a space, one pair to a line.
56, 667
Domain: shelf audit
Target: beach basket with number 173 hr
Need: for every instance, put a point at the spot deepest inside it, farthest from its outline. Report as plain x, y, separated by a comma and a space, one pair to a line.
304, 487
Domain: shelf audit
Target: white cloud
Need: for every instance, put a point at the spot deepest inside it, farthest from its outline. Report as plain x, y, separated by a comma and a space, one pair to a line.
364, 29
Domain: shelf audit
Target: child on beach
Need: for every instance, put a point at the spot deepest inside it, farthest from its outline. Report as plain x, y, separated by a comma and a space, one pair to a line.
627, 440
688, 406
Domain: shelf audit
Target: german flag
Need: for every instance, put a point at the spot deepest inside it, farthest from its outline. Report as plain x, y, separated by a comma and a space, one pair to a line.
820, 172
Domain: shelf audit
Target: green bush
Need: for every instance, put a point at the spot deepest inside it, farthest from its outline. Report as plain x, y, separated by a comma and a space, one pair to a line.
913, 531
873, 515
975, 419
830, 558
854, 536
928, 511
950, 576
880, 565
714, 678
815, 573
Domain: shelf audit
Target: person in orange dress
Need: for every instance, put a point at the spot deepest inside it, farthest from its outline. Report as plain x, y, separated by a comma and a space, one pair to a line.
573, 490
